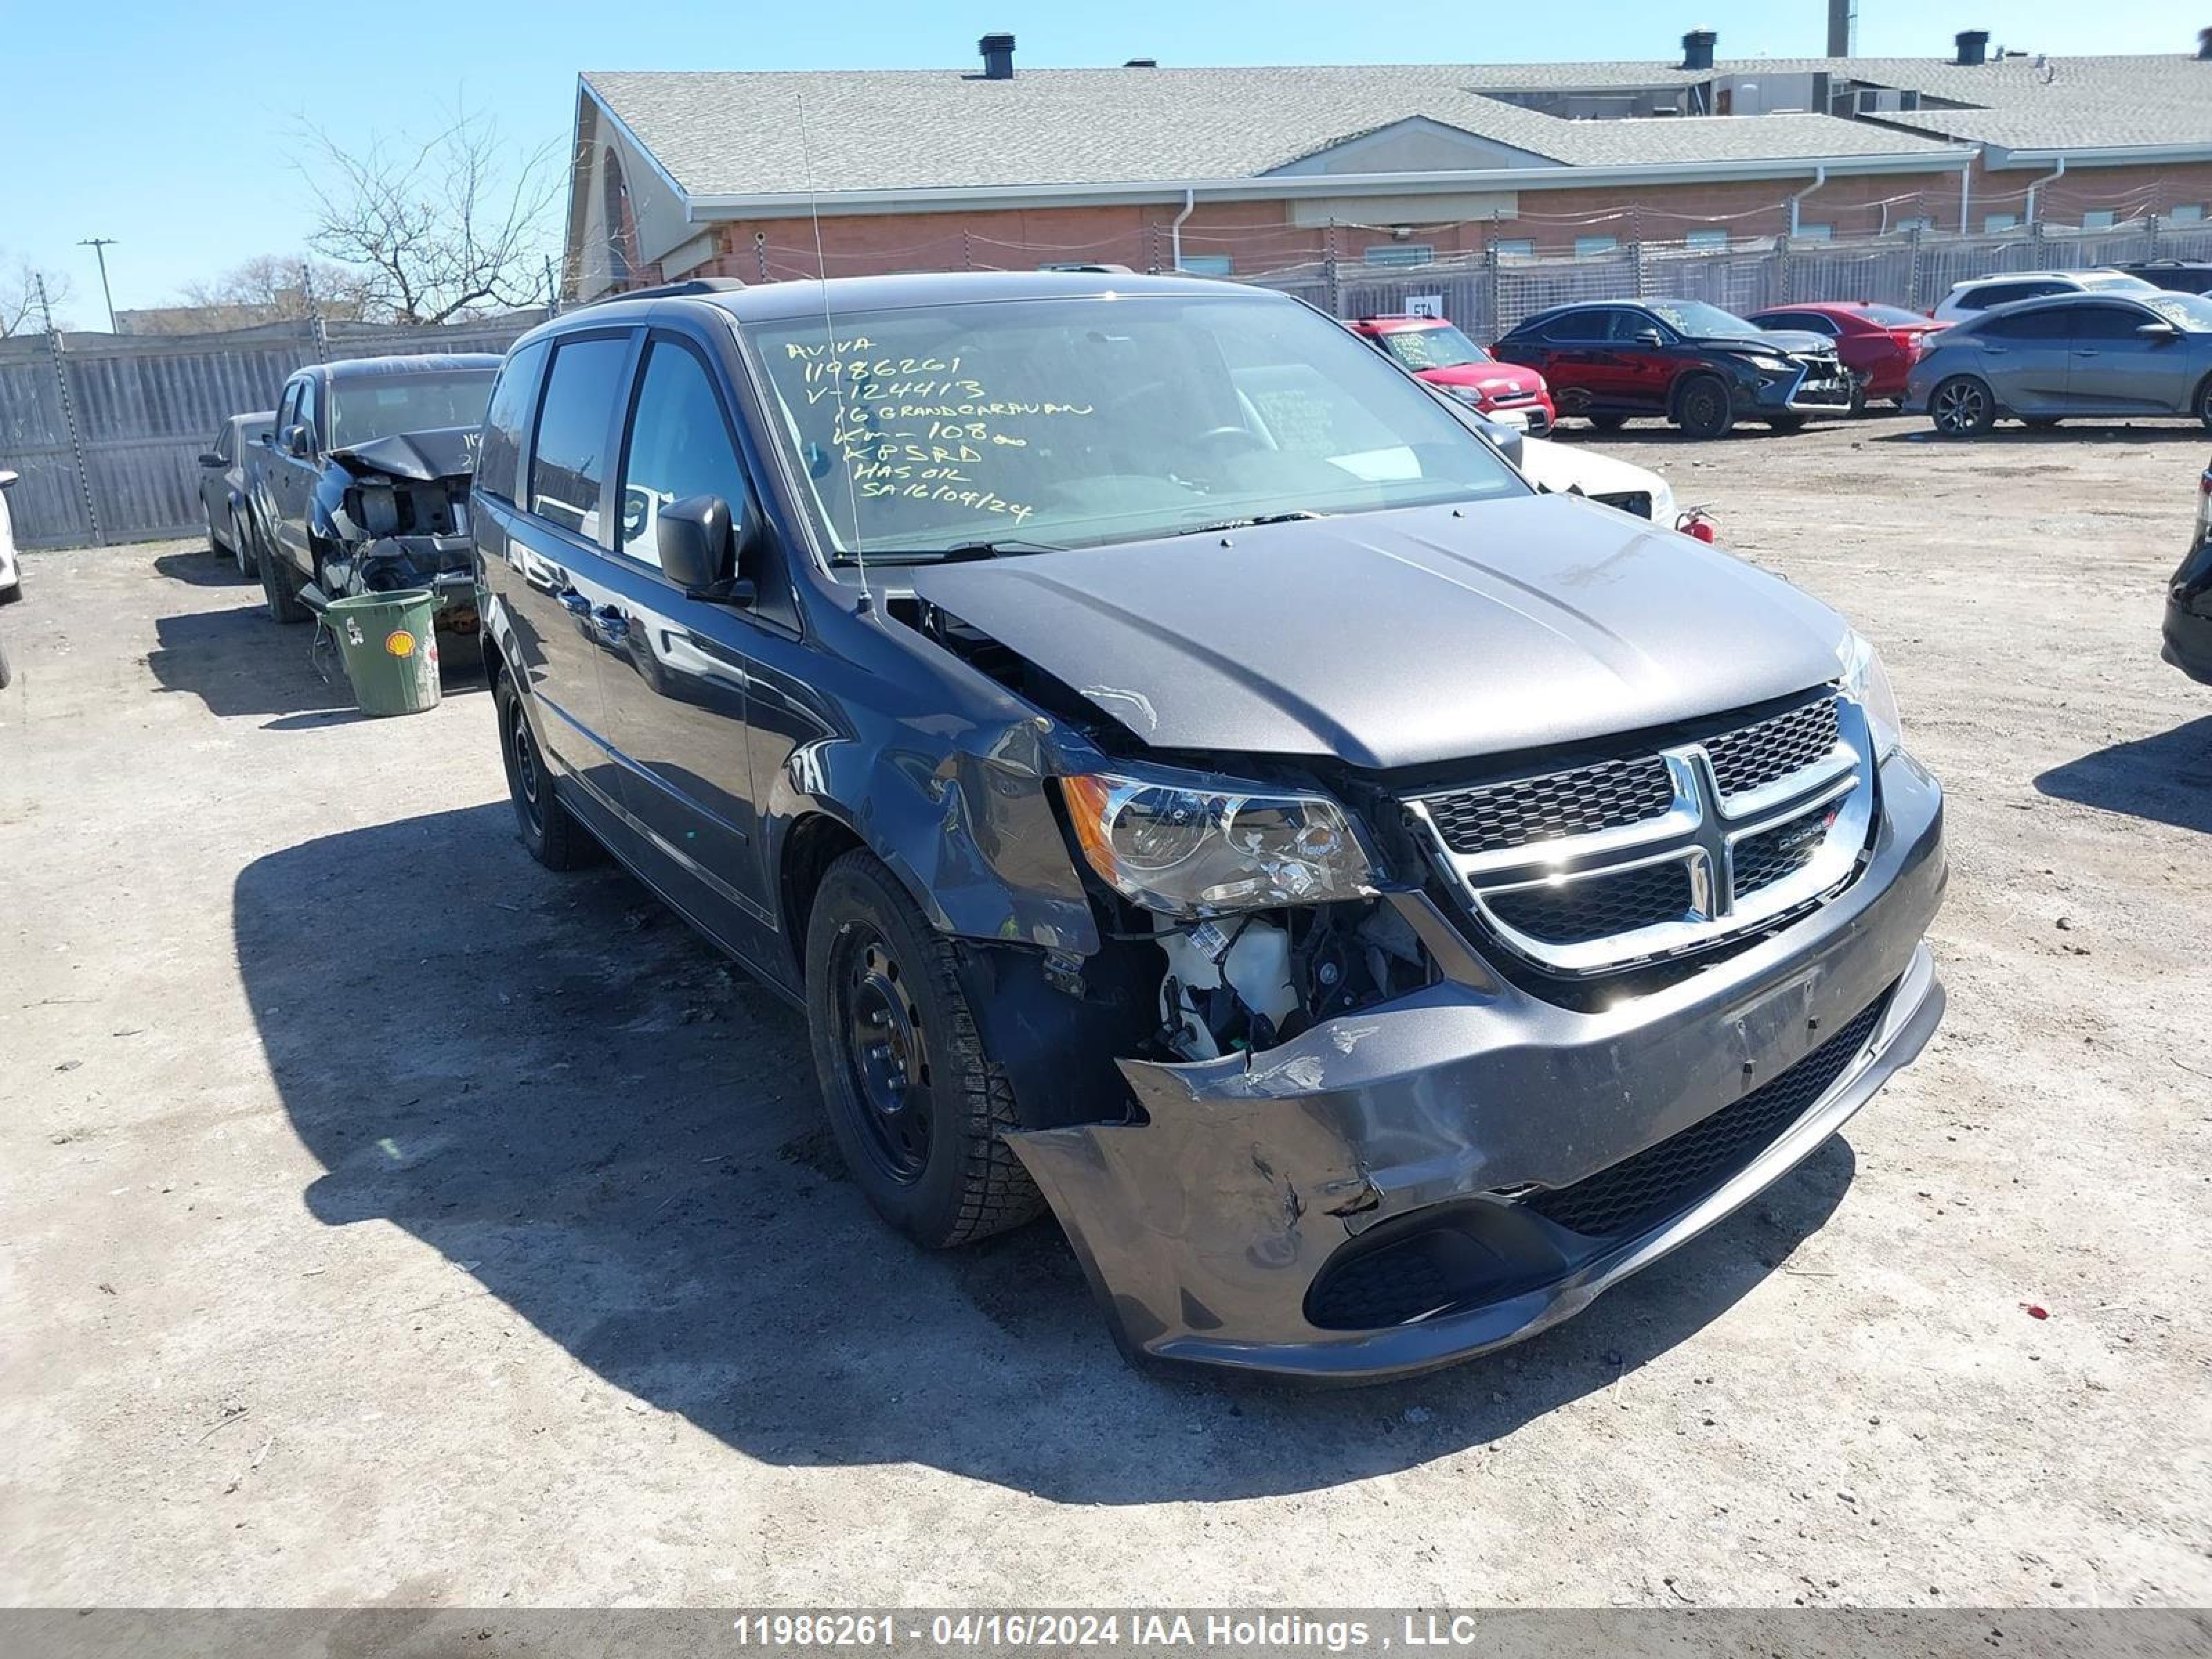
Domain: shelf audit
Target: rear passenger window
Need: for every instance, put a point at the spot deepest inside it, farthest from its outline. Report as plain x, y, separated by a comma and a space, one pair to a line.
679, 446
569, 462
2047, 323
504, 420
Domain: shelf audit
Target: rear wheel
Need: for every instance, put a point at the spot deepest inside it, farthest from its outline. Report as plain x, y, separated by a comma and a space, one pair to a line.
918, 1106
240, 550
1703, 408
214, 542
1786, 423
550, 831
1963, 407
280, 588
1607, 422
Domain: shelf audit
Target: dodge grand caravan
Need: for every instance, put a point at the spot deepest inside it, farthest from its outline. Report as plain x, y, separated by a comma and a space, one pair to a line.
1193, 783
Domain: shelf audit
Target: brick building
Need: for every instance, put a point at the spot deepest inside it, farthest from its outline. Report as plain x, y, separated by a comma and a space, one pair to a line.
1242, 171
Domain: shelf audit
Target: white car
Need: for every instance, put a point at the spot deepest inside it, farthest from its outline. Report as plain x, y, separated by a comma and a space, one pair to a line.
1978, 293
1571, 470
11, 579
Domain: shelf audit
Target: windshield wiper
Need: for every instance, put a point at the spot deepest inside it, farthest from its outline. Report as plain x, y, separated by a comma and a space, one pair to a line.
1292, 517
958, 553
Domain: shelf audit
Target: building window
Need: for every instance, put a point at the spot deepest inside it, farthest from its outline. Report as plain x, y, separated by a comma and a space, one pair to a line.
1207, 264
1994, 222
1398, 253
1708, 238
2193, 214
1596, 248
2097, 219
1524, 248
1813, 233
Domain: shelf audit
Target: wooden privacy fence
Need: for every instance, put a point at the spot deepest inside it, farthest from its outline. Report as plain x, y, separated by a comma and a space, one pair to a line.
106, 429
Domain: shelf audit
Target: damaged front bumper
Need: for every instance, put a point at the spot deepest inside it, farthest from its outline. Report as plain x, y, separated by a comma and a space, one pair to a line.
442, 565
1423, 1180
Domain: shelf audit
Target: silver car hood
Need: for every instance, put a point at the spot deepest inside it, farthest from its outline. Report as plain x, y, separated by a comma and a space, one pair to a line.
1402, 638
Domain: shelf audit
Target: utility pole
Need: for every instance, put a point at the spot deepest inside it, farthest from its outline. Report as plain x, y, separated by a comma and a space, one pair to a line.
99, 245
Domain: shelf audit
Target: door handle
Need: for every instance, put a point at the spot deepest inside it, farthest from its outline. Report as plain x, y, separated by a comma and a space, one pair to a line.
2086, 351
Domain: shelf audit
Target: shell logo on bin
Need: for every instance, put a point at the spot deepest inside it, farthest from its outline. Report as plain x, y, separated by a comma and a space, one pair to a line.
399, 643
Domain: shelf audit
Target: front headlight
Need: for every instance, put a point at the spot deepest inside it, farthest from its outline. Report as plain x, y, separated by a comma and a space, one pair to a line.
1471, 396
1189, 851
1866, 682
1771, 365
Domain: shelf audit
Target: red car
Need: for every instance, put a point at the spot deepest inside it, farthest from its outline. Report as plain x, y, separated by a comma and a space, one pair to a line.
1437, 352
1878, 343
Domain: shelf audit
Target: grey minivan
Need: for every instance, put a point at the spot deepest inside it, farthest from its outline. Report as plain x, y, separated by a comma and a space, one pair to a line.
1193, 783
2041, 361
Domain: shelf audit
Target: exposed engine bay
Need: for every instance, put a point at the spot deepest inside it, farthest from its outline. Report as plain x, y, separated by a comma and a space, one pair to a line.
397, 509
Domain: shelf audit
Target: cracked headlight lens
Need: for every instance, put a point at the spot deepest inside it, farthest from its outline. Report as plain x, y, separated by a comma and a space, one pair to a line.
1866, 682
1195, 850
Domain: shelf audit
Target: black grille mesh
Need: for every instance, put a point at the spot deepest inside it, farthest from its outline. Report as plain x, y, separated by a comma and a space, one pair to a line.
1503, 815
1775, 854
1597, 907
1662, 1180
1753, 756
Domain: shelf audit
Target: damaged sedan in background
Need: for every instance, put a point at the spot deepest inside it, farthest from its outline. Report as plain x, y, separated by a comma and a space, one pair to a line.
362, 486
1194, 783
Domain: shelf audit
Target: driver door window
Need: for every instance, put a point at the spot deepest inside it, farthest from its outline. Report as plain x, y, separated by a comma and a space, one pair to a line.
678, 445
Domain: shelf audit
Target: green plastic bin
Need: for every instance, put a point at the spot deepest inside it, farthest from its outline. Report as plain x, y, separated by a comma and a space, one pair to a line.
389, 644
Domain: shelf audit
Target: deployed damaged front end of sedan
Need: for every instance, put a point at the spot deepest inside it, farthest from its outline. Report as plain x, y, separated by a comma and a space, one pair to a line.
396, 508
1193, 781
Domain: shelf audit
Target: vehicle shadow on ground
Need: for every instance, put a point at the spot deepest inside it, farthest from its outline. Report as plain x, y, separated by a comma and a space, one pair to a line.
2187, 434
2167, 778
237, 662
557, 1086
201, 568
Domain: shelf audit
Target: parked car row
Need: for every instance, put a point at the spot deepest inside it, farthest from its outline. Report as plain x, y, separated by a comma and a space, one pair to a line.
2106, 351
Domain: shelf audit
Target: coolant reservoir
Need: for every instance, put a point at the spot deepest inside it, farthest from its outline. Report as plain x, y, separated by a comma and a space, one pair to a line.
1257, 967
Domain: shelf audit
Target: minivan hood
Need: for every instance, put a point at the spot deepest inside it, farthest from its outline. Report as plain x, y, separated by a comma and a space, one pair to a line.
1402, 638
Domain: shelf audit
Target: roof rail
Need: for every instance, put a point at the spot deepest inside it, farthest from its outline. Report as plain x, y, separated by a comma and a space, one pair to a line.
690, 286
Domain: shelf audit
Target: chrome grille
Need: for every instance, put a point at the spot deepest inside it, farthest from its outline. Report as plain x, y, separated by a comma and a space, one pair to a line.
1573, 803
1593, 869
1753, 756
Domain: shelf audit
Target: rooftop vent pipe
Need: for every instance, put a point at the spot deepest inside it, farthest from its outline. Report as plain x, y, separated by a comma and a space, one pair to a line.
1142, 62
998, 52
1697, 49
1973, 47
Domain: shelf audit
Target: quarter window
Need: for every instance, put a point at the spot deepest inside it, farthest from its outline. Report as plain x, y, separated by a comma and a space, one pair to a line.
569, 461
679, 446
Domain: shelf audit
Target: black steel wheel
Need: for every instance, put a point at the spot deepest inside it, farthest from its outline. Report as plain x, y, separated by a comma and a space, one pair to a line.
549, 830
1703, 408
919, 1108
1963, 407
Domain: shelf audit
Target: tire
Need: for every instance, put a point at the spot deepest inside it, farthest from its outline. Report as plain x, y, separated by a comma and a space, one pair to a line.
919, 1108
2205, 402
238, 547
1785, 422
214, 542
279, 587
1703, 408
2040, 423
550, 831
1607, 422
7, 673
1858, 397
1963, 407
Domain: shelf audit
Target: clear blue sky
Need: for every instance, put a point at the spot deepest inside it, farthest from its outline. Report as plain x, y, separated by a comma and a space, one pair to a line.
165, 125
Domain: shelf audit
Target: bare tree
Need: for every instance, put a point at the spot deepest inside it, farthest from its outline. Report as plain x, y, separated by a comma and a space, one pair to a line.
438, 229
21, 312
273, 287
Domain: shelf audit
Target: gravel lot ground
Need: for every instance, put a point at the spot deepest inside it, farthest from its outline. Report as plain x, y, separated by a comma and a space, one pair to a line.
387, 1219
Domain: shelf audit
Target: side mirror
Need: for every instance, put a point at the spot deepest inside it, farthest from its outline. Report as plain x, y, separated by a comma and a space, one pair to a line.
209, 458
2159, 333
1651, 336
698, 548
298, 442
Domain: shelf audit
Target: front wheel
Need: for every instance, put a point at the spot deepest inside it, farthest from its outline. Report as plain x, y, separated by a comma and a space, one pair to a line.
2204, 402
1963, 407
1703, 408
1785, 422
239, 549
280, 588
918, 1106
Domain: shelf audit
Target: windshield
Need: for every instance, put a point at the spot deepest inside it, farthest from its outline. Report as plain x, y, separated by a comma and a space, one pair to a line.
1442, 347
1042, 425
2114, 279
377, 407
2193, 312
1695, 317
